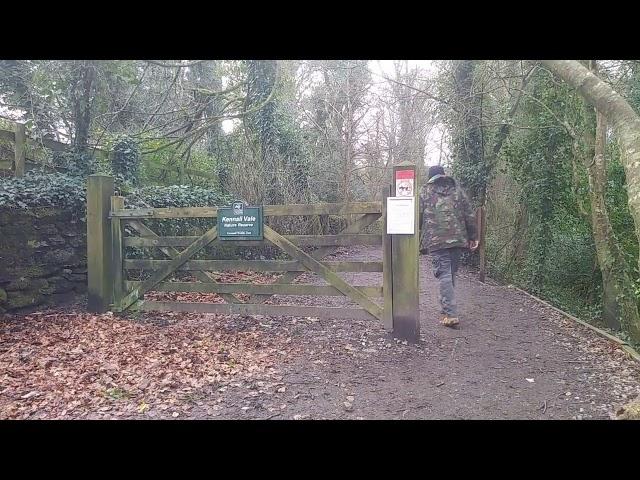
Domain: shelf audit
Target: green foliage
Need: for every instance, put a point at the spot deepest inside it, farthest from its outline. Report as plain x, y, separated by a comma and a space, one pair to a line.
125, 161
554, 253
540, 160
277, 139
467, 135
38, 189
293, 150
161, 166
74, 164
634, 87
175, 196
261, 81
68, 191
64, 188
618, 208
162, 155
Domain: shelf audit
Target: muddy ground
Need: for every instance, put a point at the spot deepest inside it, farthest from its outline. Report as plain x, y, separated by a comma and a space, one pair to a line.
511, 358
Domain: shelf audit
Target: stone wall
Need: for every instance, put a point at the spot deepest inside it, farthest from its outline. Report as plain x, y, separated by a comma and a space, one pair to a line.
43, 257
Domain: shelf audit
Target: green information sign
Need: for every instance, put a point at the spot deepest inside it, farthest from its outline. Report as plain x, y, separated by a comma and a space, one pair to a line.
240, 222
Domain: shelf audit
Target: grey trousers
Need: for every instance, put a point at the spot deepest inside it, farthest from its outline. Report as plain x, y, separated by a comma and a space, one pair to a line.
445, 267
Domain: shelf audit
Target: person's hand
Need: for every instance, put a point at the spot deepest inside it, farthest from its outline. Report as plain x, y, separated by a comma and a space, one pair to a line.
473, 245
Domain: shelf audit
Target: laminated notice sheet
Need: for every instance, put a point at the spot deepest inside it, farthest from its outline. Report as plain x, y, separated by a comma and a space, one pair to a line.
401, 215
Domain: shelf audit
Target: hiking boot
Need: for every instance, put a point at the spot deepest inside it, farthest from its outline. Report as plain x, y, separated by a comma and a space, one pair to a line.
449, 321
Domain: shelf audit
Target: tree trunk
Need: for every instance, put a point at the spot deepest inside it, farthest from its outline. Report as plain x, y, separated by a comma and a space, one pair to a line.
261, 81
467, 136
82, 104
620, 116
619, 302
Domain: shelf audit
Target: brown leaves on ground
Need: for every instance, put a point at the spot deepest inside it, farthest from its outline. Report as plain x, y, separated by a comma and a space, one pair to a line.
256, 278
56, 364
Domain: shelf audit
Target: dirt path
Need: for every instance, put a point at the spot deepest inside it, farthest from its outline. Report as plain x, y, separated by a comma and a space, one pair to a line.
511, 358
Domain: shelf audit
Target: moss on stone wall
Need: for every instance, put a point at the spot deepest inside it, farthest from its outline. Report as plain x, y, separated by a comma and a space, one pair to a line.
42, 257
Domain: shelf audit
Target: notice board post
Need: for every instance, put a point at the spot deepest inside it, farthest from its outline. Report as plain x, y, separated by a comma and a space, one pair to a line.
403, 228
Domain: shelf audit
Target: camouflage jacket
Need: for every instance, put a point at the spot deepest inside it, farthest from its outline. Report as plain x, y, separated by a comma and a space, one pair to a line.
447, 218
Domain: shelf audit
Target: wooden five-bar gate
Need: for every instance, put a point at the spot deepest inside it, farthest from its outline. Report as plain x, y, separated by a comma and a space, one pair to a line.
110, 288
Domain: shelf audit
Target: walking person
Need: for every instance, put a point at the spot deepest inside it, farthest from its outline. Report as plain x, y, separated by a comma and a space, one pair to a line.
448, 227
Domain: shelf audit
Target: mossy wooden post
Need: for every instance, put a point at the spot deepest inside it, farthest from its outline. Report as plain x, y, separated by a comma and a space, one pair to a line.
387, 266
405, 267
117, 254
99, 245
19, 149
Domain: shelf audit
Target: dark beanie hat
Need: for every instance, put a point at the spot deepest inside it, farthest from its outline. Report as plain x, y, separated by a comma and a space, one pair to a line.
436, 170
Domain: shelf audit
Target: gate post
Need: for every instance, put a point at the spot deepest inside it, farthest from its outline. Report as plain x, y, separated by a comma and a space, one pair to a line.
117, 252
405, 261
99, 245
387, 266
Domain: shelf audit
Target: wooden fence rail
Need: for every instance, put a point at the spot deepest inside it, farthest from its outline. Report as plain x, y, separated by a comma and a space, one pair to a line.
269, 210
252, 265
300, 240
18, 137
